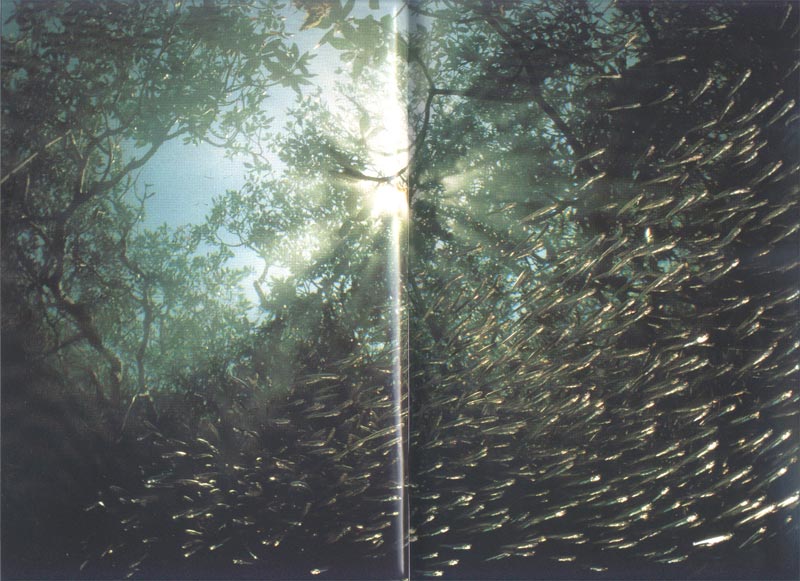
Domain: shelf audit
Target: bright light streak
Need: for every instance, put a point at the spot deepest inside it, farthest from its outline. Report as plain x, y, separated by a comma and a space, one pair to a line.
389, 151
399, 350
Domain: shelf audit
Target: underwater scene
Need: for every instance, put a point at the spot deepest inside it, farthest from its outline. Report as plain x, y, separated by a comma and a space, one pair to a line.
400, 289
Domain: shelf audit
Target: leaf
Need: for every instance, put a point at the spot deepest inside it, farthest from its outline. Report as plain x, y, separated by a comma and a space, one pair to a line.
347, 9
327, 37
374, 5
348, 31
402, 48
340, 43
359, 63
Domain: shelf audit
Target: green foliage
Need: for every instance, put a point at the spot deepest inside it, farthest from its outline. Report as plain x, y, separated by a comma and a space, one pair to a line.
78, 124
600, 288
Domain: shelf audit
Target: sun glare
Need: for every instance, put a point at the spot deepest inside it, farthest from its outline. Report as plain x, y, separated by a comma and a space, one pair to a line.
388, 143
389, 199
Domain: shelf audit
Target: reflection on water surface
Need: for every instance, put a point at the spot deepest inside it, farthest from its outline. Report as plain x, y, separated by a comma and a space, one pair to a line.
520, 298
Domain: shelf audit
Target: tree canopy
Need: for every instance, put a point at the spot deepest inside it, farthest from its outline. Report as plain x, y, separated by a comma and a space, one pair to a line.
536, 314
